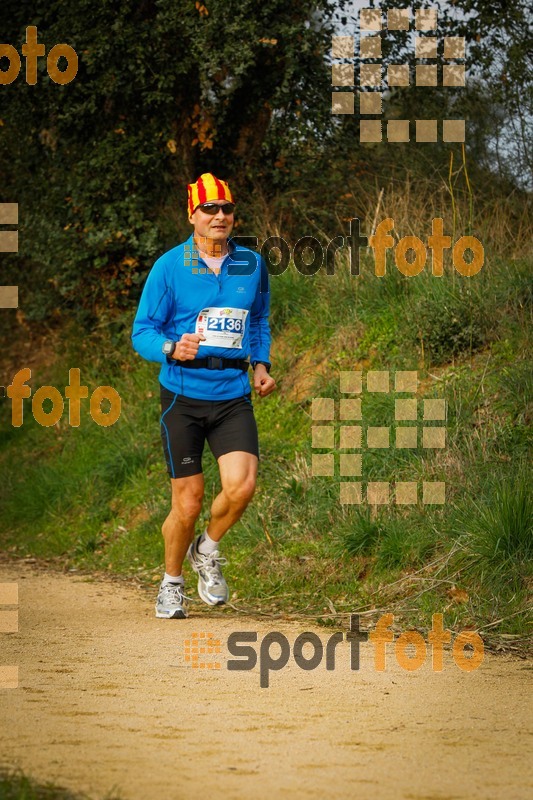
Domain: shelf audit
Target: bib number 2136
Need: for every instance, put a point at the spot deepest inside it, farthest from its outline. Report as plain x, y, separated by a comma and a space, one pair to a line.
222, 327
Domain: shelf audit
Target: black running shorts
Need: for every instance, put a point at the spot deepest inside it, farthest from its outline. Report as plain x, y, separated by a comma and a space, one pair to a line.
228, 425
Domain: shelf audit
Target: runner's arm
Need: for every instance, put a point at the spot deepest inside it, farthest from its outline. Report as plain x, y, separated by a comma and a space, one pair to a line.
154, 312
259, 327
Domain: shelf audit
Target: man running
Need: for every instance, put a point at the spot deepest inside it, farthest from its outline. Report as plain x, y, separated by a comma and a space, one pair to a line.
203, 314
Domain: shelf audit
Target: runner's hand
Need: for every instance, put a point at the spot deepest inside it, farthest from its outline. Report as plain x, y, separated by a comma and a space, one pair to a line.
264, 384
187, 347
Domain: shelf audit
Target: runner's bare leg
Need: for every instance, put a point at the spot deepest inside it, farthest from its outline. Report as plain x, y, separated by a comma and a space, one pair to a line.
178, 528
238, 475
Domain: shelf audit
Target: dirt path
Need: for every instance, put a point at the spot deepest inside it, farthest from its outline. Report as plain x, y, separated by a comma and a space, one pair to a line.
106, 700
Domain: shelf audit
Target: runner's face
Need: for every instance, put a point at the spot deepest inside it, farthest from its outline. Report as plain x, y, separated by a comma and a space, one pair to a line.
216, 228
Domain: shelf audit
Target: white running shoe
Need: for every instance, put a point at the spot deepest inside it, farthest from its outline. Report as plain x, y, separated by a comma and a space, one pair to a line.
212, 587
171, 602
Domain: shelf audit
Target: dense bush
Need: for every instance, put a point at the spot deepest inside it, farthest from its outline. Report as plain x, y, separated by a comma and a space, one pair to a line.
451, 322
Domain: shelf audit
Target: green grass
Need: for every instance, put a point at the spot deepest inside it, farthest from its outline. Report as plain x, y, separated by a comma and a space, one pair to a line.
95, 498
15, 785
499, 531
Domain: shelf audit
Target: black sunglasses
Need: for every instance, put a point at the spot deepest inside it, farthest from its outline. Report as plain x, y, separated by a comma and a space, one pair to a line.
213, 208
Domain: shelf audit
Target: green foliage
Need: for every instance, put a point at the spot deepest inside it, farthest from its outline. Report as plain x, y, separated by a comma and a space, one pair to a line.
450, 322
495, 546
395, 541
500, 531
364, 535
164, 91
15, 785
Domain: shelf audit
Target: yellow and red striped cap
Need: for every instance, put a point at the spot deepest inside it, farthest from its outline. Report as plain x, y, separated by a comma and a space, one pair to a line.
207, 188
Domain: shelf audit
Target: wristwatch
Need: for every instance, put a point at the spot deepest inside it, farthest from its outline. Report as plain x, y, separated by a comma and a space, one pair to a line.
265, 364
169, 347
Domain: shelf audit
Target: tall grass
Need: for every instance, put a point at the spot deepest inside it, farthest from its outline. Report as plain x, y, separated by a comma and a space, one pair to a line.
500, 530
15, 785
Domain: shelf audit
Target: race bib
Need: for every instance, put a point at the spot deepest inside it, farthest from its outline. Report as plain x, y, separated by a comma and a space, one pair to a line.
222, 327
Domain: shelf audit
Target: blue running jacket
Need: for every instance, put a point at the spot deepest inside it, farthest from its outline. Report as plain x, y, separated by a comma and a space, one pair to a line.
182, 295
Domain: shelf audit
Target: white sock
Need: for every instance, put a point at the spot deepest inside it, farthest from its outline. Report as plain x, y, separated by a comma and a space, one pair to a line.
172, 579
206, 545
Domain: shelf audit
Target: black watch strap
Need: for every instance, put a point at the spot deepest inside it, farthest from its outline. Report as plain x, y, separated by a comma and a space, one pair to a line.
172, 350
265, 364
